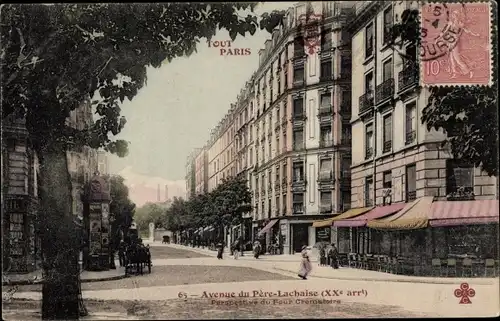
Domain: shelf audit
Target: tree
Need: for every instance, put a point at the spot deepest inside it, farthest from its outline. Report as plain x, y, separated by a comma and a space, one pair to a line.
467, 114
70, 52
122, 213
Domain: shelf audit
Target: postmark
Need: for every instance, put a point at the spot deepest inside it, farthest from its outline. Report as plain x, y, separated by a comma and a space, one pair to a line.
456, 44
310, 24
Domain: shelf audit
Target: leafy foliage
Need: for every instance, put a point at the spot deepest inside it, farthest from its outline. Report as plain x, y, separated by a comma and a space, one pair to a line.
70, 52
224, 206
121, 208
468, 114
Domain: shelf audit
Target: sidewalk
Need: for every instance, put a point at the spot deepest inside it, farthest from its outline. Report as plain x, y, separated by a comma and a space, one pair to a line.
35, 277
290, 264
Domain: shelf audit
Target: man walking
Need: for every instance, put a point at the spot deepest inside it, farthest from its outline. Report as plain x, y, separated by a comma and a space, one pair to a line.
236, 249
333, 254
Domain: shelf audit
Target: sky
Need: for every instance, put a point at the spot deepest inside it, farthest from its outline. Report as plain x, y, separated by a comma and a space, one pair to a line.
174, 113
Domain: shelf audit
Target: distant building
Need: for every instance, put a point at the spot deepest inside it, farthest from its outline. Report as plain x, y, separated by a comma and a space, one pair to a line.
102, 163
190, 174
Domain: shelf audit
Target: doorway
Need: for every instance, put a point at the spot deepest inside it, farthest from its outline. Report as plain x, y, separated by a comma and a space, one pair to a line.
300, 235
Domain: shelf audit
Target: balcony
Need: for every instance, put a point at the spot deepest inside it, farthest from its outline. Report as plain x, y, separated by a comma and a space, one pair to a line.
385, 91
298, 181
366, 102
369, 152
284, 120
270, 188
407, 78
299, 52
298, 208
298, 83
325, 208
299, 146
325, 176
277, 126
387, 146
462, 193
325, 143
284, 181
410, 137
325, 110
411, 196
299, 116
387, 34
277, 184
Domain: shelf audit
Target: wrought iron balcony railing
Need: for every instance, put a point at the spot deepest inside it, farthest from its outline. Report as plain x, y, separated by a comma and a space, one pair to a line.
325, 208
325, 110
325, 176
407, 77
299, 115
410, 137
326, 143
368, 152
298, 208
366, 102
385, 90
387, 146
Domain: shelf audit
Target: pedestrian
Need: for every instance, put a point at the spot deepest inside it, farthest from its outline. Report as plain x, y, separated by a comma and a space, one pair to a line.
121, 252
236, 250
322, 254
220, 250
333, 254
305, 264
256, 249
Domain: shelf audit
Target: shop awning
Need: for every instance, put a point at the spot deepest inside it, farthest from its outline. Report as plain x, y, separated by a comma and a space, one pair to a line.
377, 212
414, 215
347, 214
267, 227
208, 229
449, 213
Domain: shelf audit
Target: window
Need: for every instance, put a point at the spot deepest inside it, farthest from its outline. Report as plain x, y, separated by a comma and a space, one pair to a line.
277, 144
346, 134
298, 74
369, 82
298, 139
277, 204
327, 8
368, 191
298, 47
387, 24
369, 41
411, 182
270, 149
298, 203
298, 172
326, 40
369, 141
459, 180
326, 99
387, 70
346, 200
345, 65
298, 107
325, 169
411, 56
16, 234
326, 70
345, 167
325, 202
284, 142
325, 134
410, 133
387, 183
387, 136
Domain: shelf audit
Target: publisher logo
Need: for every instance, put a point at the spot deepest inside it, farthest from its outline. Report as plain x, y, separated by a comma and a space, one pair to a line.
465, 293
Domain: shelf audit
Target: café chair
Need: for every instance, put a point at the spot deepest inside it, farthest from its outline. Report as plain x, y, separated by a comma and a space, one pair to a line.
467, 267
437, 268
451, 267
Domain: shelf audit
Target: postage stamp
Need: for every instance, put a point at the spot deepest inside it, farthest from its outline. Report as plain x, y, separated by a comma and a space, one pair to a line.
456, 44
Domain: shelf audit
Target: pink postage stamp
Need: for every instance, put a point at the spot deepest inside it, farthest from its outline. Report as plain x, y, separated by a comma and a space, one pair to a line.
456, 44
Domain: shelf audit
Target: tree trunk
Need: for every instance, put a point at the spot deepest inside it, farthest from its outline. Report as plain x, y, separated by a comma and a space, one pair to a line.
60, 247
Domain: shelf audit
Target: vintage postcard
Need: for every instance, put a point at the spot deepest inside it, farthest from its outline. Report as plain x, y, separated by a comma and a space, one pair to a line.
319, 159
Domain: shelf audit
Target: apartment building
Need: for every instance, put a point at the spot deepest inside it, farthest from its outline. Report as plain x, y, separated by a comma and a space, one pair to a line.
301, 133
220, 151
201, 171
394, 154
191, 175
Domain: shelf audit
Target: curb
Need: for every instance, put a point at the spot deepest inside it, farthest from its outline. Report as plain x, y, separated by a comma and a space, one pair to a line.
26, 282
481, 282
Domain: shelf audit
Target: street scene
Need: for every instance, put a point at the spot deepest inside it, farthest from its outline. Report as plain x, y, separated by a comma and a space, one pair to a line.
317, 159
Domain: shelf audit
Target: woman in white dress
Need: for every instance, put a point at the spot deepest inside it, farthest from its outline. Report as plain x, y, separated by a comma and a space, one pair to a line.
305, 264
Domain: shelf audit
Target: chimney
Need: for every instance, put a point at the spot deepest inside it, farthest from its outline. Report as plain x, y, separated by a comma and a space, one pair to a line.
166, 192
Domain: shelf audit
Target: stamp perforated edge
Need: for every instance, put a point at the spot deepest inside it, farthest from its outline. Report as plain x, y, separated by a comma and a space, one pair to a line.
463, 84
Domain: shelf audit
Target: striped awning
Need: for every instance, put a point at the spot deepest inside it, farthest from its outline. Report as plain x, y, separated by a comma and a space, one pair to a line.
450, 213
377, 212
267, 227
347, 214
414, 215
